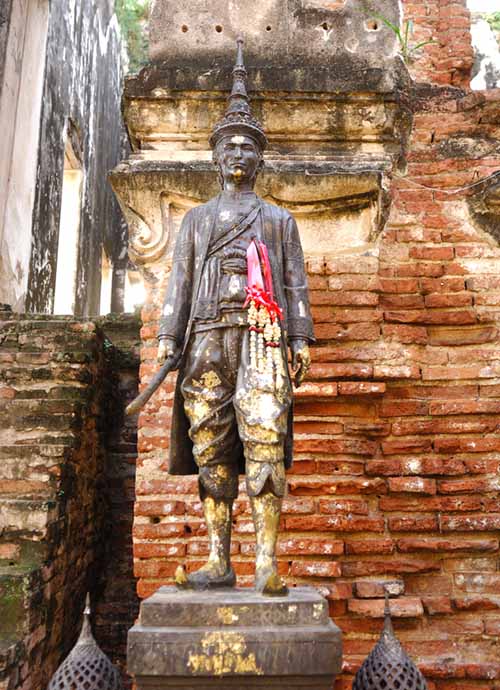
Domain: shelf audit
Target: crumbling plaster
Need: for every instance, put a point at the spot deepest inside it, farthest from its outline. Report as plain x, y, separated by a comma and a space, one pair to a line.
82, 91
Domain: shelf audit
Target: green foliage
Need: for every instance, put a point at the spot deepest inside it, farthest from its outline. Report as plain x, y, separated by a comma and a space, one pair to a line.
403, 35
493, 20
133, 16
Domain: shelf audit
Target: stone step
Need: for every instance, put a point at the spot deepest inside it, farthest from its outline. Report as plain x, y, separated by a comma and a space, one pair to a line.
36, 436
26, 406
45, 422
31, 390
31, 462
15, 582
11, 653
26, 518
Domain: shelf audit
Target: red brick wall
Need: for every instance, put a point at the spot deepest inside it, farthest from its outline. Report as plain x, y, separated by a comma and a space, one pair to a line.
64, 529
397, 461
446, 22
117, 603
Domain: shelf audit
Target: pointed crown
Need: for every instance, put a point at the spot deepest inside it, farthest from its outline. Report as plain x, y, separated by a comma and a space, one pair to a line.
238, 118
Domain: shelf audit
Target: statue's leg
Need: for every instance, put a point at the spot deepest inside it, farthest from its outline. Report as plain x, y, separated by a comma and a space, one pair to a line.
217, 571
266, 511
208, 405
262, 413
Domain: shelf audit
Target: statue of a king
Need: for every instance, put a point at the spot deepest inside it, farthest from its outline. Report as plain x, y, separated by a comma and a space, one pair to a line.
236, 300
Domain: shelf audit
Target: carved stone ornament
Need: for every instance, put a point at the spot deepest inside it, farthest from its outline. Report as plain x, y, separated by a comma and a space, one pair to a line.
86, 667
388, 667
145, 244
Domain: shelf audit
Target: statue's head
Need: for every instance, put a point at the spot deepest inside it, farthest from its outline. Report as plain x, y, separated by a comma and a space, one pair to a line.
238, 140
238, 159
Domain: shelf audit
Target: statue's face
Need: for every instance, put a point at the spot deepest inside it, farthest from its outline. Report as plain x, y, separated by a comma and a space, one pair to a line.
239, 158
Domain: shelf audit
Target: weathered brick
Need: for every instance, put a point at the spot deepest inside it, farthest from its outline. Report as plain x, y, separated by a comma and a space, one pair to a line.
389, 566
404, 607
337, 523
407, 523
309, 547
409, 544
354, 264
335, 446
402, 371
149, 550
10, 552
373, 589
339, 505
470, 335
479, 522
361, 388
405, 334
318, 487
407, 445
435, 606
439, 253
403, 408
315, 569
369, 546
347, 331
451, 486
464, 407
478, 582
412, 485
439, 503
159, 507
432, 316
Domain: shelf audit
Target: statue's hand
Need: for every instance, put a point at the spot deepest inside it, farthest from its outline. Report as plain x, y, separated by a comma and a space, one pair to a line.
167, 347
301, 360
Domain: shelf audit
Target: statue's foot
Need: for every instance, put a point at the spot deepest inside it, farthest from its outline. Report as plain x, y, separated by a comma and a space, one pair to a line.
206, 577
269, 583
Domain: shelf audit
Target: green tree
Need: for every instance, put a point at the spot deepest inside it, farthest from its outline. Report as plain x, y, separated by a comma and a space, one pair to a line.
493, 20
133, 16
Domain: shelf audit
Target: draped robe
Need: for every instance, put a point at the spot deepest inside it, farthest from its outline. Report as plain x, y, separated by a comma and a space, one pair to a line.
282, 239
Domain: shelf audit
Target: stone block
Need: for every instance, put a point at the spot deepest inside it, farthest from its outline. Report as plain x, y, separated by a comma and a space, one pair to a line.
228, 637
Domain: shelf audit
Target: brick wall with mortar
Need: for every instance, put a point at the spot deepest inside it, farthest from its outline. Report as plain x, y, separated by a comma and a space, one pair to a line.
117, 602
397, 467
59, 488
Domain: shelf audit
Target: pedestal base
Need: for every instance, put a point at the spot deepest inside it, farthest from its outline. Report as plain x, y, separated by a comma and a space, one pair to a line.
234, 638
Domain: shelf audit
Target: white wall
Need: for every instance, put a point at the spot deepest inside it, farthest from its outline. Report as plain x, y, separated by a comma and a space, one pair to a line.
20, 108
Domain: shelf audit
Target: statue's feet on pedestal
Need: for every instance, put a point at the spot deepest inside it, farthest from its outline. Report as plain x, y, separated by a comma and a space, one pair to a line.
207, 577
268, 582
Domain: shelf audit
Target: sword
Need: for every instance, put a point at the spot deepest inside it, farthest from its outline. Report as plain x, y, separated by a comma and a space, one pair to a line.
168, 365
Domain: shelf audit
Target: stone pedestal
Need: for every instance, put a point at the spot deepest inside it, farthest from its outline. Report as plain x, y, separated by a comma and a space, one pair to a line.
234, 638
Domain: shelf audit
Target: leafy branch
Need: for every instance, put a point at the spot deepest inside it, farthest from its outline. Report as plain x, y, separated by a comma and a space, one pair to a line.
403, 35
493, 20
132, 16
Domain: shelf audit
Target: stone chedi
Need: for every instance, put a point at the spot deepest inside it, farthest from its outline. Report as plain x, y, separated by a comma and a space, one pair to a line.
86, 667
237, 299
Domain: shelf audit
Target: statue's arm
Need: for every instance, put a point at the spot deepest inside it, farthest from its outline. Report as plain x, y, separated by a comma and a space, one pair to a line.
177, 303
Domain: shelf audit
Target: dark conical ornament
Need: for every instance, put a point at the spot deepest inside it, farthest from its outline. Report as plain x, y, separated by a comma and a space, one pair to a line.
388, 667
238, 118
86, 667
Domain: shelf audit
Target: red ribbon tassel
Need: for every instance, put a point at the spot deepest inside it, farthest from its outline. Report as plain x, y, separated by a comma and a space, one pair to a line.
260, 282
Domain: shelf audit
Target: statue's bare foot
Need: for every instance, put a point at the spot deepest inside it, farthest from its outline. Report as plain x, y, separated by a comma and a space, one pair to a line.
207, 577
268, 582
